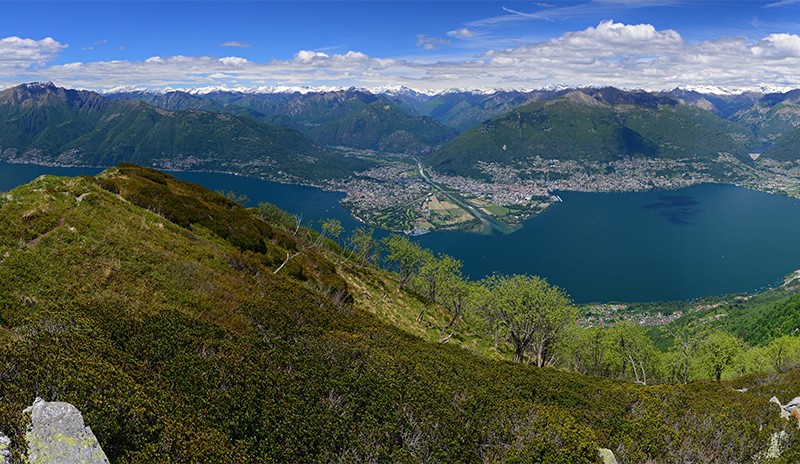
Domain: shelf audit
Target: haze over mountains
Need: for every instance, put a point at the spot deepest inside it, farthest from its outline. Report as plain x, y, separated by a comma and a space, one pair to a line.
290, 132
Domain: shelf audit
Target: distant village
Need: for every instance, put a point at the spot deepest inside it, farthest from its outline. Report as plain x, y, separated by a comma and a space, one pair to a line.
396, 197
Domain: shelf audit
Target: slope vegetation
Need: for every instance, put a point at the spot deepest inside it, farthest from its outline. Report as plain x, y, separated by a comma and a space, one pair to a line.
154, 305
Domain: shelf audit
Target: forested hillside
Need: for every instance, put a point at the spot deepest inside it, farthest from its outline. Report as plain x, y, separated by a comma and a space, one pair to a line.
45, 124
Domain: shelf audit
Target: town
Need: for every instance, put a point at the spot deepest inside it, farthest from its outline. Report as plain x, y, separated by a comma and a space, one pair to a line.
396, 197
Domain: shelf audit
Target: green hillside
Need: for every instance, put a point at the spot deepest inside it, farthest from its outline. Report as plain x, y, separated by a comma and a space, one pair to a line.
41, 123
582, 127
770, 122
381, 126
162, 311
465, 110
785, 147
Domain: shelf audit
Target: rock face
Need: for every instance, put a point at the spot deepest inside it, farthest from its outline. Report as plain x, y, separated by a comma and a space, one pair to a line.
5, 453
58, 435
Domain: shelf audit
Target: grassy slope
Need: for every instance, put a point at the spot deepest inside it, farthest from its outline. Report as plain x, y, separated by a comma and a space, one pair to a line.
179, 343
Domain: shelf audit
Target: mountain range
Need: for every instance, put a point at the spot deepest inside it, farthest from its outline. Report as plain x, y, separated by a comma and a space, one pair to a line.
46, 124
297, 135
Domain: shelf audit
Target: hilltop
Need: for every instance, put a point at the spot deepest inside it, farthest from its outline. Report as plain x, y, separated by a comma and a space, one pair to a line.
178, 323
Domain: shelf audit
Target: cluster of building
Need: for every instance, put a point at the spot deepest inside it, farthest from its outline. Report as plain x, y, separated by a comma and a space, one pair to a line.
528, 187
609, 314
498, 193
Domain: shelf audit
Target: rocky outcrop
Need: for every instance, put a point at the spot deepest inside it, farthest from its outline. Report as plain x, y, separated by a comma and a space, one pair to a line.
57, 434
5, 452
790, 409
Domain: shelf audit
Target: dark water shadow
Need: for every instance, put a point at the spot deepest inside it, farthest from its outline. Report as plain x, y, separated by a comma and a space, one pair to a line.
676, 209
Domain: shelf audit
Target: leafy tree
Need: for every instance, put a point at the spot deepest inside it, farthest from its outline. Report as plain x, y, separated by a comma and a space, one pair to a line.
784, 353
719, 351
272, 214
362, 244
407, 256
528, 312
584, 350
332, 228
454, 294
239, 198
686, 342
434, 272
630, 346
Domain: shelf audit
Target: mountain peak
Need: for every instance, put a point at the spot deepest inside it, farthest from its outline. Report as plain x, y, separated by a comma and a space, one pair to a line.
47, 93
581, 98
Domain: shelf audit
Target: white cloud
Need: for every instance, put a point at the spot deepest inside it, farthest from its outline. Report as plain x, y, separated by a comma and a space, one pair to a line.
233, 61
621, 35
234, 43
17, 53
610, 53
778, 46
95, 44
461, 33
429, 43
306, 56
781, 3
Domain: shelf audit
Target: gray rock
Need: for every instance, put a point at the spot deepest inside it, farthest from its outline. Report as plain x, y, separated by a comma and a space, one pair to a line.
58, 435
5, 452
607, 456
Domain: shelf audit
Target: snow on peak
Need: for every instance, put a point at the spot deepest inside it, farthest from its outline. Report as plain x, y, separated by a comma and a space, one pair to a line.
725, 91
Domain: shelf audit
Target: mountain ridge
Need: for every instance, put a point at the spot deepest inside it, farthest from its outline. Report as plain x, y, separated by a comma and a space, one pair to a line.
46, 124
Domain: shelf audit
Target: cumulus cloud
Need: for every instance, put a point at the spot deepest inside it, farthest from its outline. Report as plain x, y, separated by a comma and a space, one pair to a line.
778, 46
609, 53
233, 61
234, 43
17, 53
461, 33
307, 56
429, 43
609, 33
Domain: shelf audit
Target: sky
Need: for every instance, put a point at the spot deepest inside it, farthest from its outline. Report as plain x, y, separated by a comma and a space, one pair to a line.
429, 45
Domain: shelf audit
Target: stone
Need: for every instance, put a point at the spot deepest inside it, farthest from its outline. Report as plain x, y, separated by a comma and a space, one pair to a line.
607, 456
57, 434
5, 452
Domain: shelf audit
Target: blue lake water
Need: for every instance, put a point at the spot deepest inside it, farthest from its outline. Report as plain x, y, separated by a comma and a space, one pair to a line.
647, 246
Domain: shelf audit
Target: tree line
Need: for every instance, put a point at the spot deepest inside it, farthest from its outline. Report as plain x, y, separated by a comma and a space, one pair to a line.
538, 321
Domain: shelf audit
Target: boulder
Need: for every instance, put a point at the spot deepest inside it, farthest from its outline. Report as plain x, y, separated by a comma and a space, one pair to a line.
607, 456
5, 452
57, 434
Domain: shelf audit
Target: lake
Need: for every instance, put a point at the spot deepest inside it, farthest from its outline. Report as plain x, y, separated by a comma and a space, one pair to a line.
646, 246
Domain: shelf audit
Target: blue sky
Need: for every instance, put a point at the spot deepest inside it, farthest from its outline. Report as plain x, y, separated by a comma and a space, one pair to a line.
434, 45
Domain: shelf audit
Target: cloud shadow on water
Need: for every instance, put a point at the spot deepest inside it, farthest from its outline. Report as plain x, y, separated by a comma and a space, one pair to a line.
676, 209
